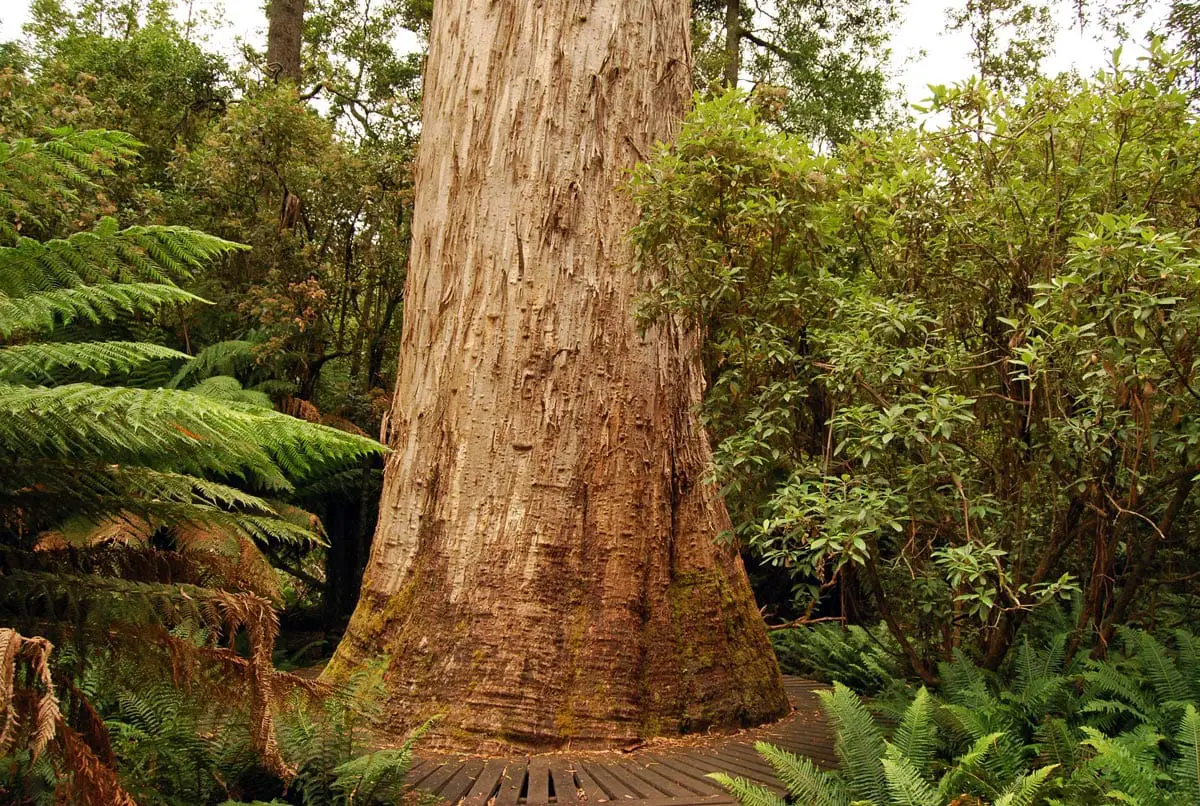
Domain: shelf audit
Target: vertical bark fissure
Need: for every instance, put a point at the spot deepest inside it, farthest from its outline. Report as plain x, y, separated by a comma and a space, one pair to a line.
560, 581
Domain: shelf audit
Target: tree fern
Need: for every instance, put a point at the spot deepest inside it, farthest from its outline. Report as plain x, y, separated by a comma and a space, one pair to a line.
85, 459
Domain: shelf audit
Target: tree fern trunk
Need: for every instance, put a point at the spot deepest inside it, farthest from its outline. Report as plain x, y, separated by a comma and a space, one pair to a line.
544, 571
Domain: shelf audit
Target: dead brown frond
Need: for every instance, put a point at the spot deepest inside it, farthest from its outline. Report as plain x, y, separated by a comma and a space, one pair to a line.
84, 779
31, 717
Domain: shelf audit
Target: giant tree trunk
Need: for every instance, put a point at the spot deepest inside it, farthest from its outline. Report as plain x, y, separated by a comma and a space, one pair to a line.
544, 571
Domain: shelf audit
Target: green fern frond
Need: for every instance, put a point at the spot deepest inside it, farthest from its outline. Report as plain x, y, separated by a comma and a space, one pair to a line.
964, 683
1057, 744
46, 311
748, 793
223, 387
1024, 791
47, 362
379, 776
1159, 665
33, 174
1186, 771
1129, 767
223, 358
860, 745
916, 735
157, 254
170, 429
1104, 681
904, 781
1187, 656
970, 770
805, 782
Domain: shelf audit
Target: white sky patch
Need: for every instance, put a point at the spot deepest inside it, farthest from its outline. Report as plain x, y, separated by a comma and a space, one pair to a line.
923, 51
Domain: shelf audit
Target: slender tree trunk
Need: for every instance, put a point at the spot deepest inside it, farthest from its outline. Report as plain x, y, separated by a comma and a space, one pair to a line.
545, 571
285, 30
733, 41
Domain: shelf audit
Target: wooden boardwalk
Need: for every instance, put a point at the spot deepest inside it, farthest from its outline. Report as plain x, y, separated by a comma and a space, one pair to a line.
670, 775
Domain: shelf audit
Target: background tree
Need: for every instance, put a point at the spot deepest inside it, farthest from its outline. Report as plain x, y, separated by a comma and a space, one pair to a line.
1009, 39
285, 34
820, 66
545, 524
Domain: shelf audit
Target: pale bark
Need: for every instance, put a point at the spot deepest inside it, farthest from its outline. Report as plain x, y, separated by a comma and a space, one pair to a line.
544, 571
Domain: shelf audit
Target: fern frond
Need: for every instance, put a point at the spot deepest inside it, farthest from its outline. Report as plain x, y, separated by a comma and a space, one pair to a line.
916, 735
34, 174
223, 358
1130, 770
969, 771
859, 746
223, 387
1057, 744
748, 793
964, 683
904, 781
170, 429
1186, 771
805, 782
1187, 656
48, 362
1024, 791
45, 311
156, 254
1155, 659
1104, 681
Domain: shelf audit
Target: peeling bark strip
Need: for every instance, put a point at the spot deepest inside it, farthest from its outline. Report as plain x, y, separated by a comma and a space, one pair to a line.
544, 571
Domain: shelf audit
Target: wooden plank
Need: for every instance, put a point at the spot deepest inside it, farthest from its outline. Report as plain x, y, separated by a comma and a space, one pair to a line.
442, 775
661, 782
747, 754
807, 746
617, 788
712, 800
489, 779
512, 783
458, 786
537, 791
694, 776
735, 766
591, 789
562, 775
423, 770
